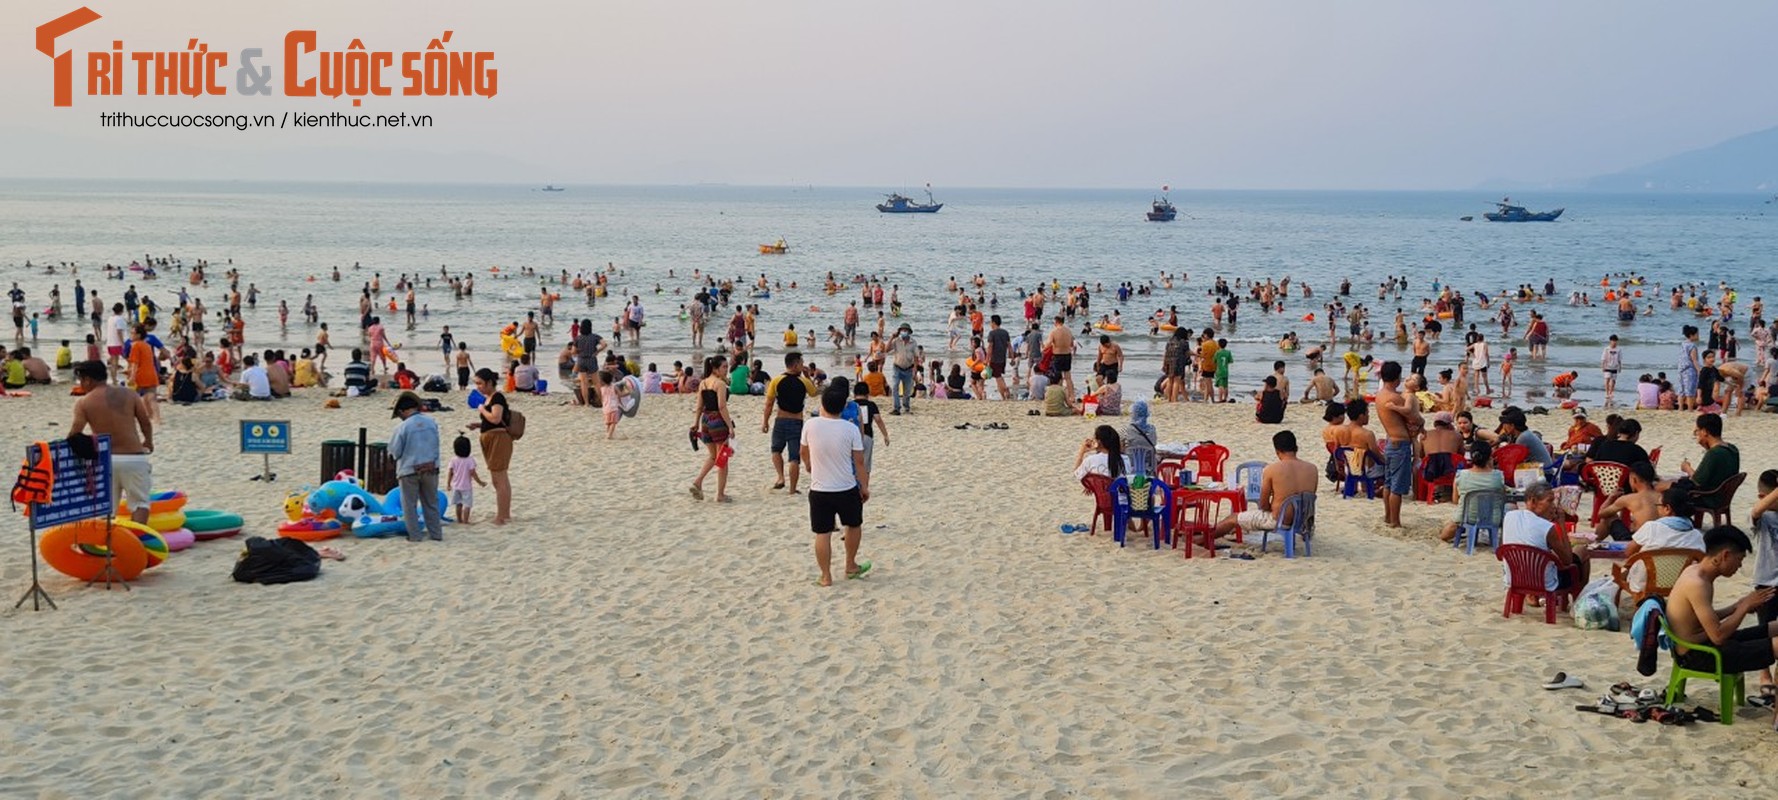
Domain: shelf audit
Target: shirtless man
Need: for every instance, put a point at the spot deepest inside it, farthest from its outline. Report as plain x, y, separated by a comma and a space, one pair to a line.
1321, 387
1358, 436
1401, 422
1693, 618
1060, 341
1422, 349
110, 409
1734, 386
1641, 501
1279, 481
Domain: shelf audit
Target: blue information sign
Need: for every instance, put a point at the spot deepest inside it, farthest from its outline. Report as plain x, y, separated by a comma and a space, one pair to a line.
265, 436
82, 489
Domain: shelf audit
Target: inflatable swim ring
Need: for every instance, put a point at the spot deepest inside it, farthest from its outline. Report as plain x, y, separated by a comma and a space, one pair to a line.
155, 546
1444, 315
167, 521
1169, 328
208, 523
162, 502
179, 539
68, 548
311, 530
378, 527
1109, 326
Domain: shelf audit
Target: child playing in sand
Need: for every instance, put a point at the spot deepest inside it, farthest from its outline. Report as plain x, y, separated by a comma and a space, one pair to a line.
462, 477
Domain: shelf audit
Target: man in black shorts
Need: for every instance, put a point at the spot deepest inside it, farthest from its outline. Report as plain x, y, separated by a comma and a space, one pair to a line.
999, 344
839, 484
786, 395
1693, 618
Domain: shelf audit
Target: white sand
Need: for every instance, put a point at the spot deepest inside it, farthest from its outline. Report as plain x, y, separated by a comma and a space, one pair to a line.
622, 640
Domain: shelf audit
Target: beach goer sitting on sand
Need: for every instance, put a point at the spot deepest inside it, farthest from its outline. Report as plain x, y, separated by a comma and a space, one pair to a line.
1479, 476
1109, 397
358, 382
255, 380
1321, 388
1269, 408
1278, 482
1056, 402
1693, 617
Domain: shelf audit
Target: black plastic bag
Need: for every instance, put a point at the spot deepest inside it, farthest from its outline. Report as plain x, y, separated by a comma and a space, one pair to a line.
277, 560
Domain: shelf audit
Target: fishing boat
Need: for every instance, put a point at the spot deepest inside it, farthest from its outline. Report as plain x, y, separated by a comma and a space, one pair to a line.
552, 188
777, 248
1511, 213
1162, 210
899, 204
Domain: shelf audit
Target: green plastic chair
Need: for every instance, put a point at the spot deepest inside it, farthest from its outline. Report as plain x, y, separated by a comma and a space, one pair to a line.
1734, 688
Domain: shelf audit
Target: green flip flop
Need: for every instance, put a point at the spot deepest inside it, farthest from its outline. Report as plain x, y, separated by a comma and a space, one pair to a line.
863, 567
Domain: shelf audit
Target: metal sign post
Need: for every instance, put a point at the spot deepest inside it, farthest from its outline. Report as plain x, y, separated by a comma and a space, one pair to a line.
81, 490
265, 437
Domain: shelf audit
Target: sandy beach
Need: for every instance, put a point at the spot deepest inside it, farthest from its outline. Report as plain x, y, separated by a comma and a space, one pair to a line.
620, 639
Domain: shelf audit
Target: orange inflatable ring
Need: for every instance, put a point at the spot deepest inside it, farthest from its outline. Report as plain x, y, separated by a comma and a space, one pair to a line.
17, 393
159, 503
77, 549
311, 530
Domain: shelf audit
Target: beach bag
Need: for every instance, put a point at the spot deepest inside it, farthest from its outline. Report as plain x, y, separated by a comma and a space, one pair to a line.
1596, 607
435, 383
515, 423
277, 560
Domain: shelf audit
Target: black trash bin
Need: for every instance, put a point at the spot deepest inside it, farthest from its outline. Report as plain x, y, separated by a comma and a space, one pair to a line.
379, 469
336, 455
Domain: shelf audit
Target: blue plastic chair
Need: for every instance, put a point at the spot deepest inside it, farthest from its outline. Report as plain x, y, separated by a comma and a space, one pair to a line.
1248, 474
1299, 508
1481, 511
1351, 481
1159, 514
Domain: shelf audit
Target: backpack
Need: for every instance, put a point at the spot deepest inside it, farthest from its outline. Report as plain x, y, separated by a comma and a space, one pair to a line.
515, 423
277, 560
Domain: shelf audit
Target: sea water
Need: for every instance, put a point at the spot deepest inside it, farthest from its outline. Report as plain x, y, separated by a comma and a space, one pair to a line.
280, 234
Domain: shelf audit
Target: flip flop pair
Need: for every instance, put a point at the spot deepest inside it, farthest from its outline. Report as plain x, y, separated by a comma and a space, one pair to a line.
1068, 528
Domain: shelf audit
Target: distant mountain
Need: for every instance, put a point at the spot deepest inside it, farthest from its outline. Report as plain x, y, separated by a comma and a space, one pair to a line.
1743, 164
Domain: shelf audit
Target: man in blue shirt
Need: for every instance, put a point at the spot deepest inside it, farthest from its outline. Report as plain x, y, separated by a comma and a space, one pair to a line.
414, 446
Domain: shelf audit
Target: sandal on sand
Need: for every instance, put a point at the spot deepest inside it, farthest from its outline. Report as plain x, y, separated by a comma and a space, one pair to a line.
1605, 706
778, 485
1067, 528
1768, 695
1563, 680
697, 493
1703, 714
863, 567
331, 553
725, 499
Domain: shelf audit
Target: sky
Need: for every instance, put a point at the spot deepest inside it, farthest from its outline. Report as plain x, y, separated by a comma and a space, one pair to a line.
1364, 94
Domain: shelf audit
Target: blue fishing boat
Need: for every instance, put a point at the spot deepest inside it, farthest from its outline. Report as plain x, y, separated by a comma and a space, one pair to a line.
1162, 210
899, 204
1511, 213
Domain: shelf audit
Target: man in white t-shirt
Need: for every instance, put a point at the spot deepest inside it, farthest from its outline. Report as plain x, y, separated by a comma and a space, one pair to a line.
116, 336
1672, 529
259, 384
839, 485
1532, 525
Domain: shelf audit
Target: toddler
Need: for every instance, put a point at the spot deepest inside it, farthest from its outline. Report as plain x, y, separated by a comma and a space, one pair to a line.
462, 478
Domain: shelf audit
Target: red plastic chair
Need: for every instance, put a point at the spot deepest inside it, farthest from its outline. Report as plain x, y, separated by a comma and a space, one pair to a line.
1195, 515
1507, 459
1527, 566
1168, 471
1424, 489
1654, 457
1607, 479
1100, 488
1209, 458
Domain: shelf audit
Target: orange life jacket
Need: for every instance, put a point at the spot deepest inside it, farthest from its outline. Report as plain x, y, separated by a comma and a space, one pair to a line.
36, 478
